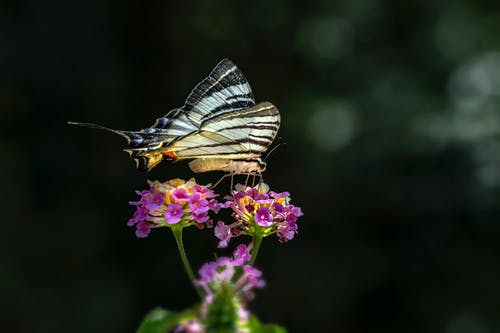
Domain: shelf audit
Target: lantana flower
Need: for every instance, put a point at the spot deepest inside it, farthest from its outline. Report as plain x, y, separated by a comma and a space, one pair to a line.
228, 284
173, 202
259, 212
235, 272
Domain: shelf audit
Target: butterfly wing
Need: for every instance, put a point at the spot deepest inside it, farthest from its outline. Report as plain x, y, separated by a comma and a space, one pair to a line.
230, 124
242, 134
224, 90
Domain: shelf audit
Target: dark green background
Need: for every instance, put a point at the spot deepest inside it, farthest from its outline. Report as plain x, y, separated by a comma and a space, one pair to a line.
391, 114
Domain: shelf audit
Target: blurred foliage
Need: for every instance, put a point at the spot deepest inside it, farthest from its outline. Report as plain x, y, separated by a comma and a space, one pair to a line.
161, 321
391, 114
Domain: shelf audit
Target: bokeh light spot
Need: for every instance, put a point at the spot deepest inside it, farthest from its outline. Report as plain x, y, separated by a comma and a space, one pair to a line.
476, 82
333, 126
467, 323
325, 38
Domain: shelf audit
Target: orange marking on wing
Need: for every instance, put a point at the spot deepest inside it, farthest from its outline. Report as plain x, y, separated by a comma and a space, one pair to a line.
171, 154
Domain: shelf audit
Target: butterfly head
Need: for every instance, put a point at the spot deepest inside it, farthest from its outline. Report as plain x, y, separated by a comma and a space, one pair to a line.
262, 164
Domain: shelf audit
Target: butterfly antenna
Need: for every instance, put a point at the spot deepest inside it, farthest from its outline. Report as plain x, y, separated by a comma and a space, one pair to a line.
279, 144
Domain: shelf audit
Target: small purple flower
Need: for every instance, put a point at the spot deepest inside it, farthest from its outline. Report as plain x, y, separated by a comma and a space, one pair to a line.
223, 233
144, 192
153, 200
203, 191
179, 194
287, 232
291, 218
174, 213
225, 269
214, 205
254, 276
237, 196
196, 203
279, 195
257, 195
200, 215
294, 210
207, 272
263, 217
278, 208
293, 213
241, 254
143, 229
141, 213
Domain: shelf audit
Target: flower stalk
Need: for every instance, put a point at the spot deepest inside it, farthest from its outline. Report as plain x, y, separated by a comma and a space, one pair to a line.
256, 240
177, 231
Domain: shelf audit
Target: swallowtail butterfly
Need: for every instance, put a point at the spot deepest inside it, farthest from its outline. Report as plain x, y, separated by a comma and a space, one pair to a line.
219, 127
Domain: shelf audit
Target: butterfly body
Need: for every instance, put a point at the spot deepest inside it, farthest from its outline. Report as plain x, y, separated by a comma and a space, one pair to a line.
230, 166
220, 127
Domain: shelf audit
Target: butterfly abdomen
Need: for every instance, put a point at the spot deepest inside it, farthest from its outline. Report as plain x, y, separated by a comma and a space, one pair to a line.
227, 165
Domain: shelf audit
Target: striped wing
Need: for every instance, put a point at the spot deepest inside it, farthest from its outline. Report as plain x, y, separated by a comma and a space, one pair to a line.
242, 134
224, 90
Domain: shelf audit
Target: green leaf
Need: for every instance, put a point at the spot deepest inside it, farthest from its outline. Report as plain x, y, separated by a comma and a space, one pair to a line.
256, 327
161, 321
272, 328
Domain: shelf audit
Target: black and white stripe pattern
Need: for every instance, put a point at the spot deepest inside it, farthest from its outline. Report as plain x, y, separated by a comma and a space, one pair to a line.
243, 134
219, 122
224, 90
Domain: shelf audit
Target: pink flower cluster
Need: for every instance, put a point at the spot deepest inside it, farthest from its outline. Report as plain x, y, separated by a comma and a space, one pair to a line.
258, 211
217, 276
231, 271
172, 202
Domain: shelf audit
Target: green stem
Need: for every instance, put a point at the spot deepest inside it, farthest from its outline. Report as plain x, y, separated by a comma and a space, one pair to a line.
177, 230
256, 240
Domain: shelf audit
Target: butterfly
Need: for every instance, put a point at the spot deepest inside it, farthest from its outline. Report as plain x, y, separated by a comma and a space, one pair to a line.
219, 128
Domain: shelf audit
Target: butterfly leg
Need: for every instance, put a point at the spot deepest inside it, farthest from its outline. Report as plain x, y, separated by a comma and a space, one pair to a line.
232, 182
247, 179
253, 179
218, 182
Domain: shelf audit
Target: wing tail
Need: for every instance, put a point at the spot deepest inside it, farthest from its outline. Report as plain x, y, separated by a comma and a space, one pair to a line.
135, 139
99, 127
